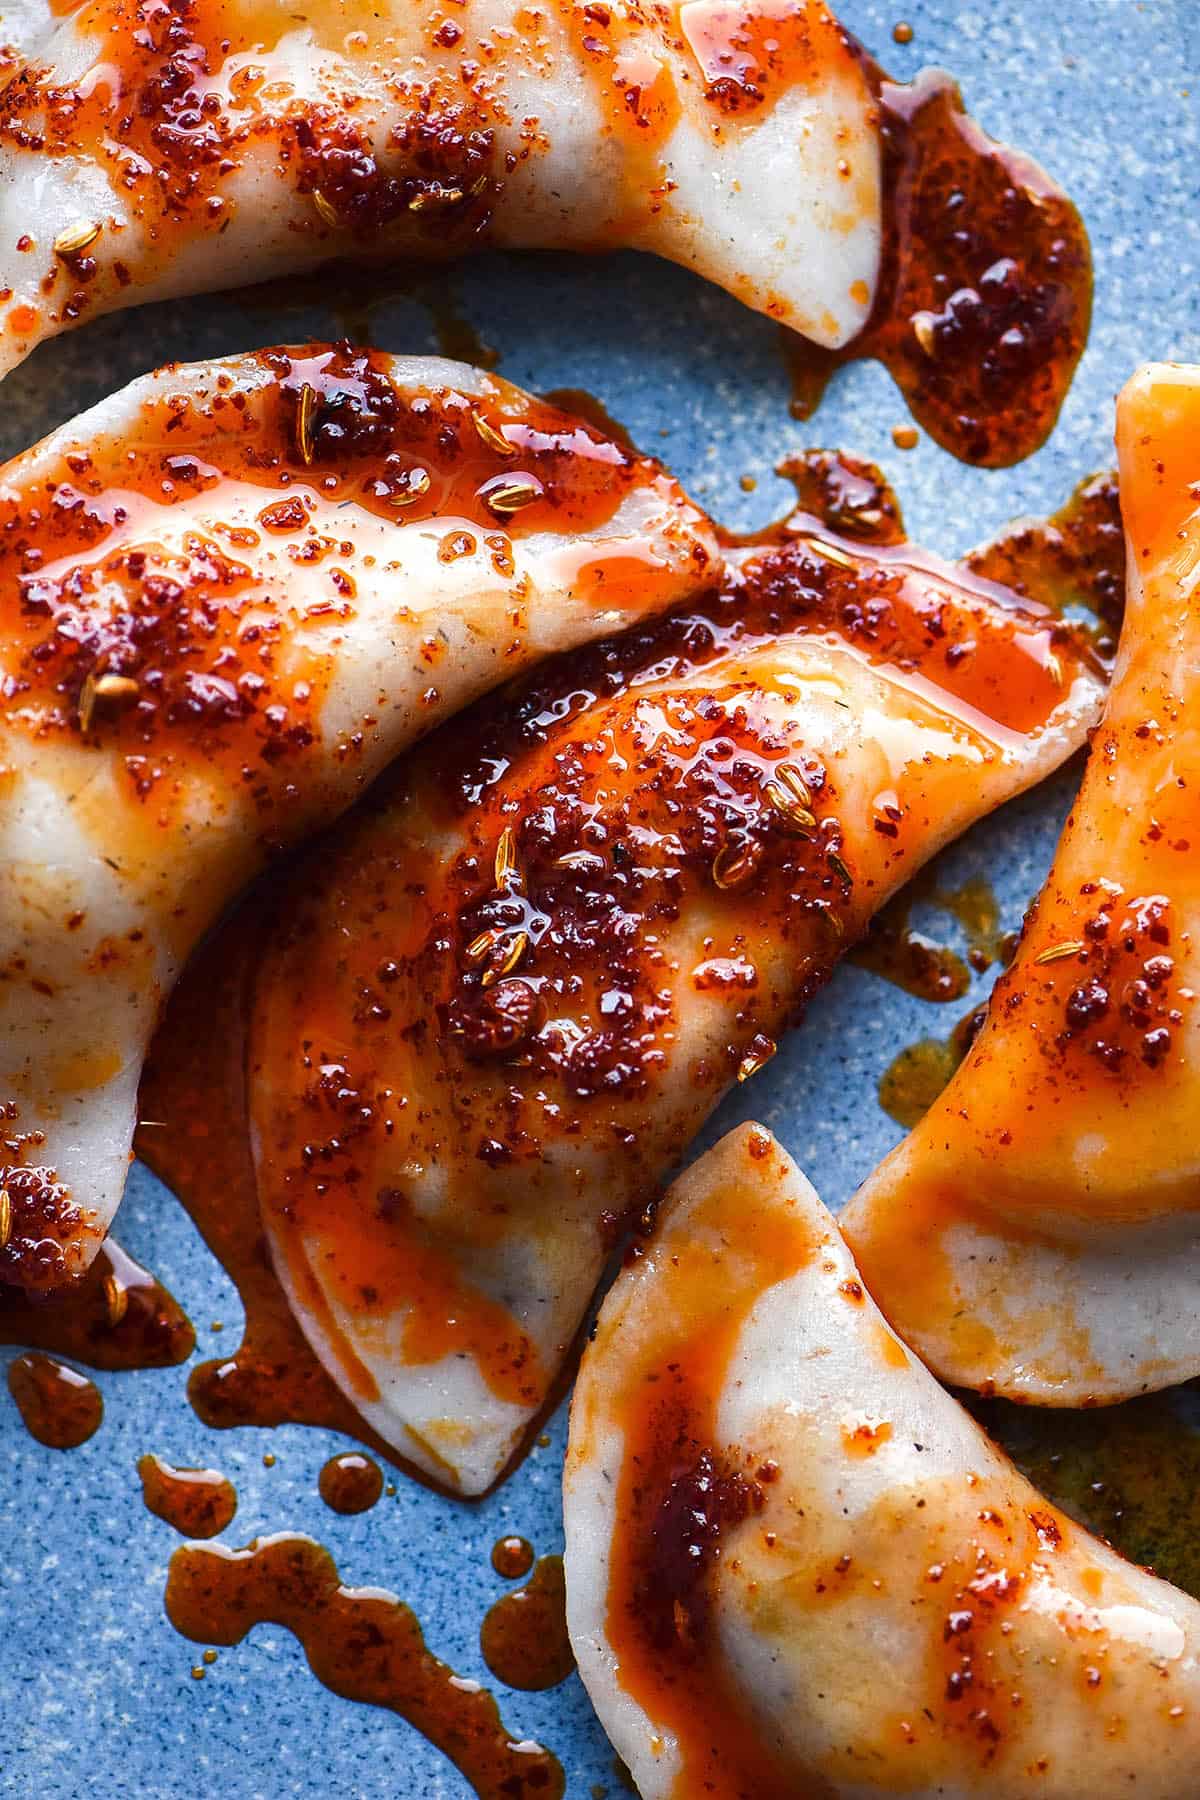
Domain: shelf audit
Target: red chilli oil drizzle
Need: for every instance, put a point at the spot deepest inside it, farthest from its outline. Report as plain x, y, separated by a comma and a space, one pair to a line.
362, 1645
524, 1634
193, 1087
984, 295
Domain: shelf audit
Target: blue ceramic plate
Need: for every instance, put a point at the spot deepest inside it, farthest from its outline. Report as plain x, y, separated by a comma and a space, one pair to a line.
96, 1692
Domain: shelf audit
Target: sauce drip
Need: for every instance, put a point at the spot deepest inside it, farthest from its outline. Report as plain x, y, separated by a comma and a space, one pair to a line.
524, 1634
916, 1076
193, 1081
198, 1503
362, 1645
351, 292
984, 295
116, 1316
59, 1407
350, 1483
512, 1557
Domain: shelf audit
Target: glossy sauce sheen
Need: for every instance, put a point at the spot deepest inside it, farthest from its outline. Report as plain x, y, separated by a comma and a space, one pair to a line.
896, 949
524, 1634
59, 1407
917, 1074
199, 1503
984, 297
360, 1644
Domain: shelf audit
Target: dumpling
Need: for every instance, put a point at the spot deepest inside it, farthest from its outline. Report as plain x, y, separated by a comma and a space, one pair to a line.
1038, 1234
493, 1014
228, 596
795, 1566
151, 148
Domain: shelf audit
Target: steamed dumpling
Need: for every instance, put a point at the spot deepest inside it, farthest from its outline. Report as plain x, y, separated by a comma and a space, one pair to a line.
151, 151
1038, 1234
795, 1566
228, 596
218, 144
497, 1009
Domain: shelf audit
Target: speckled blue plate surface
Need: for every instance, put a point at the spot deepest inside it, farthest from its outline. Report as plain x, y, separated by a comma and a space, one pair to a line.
96, 1695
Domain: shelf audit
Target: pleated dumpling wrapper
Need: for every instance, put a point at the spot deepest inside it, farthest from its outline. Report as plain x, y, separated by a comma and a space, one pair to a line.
497, 1008
1038, 1234
795, 1565
154, 150
228, 596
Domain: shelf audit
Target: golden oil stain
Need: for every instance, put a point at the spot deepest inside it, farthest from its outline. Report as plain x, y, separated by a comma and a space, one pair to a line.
59, 1407
361, 1644
916, 1076
973, 903
512, 1557
198, 1503
1130, 1473
911, 959
350, 1483
116, 1316
524, 1634
895, 949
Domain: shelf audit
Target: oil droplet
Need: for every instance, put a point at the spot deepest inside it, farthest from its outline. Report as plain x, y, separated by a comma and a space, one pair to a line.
362, 1644
59, 1407
524, 1635
902, 32
905, 437
350, 1483
198, 1503
512, 1557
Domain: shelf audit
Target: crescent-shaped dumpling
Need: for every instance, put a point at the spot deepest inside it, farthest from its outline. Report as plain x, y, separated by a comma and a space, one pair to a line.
151, 148
1038, 1234
228, 596
795, 1566
493, 1017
